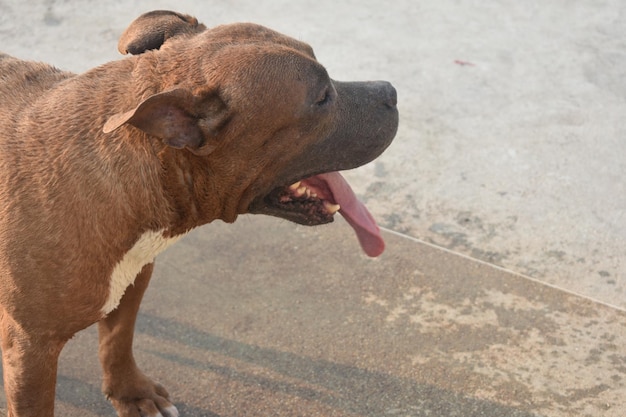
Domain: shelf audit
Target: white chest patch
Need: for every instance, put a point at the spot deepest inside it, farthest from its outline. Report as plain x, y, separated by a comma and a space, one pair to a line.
149, 245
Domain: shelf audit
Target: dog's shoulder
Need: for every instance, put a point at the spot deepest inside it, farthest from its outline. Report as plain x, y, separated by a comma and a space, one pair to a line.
22, 80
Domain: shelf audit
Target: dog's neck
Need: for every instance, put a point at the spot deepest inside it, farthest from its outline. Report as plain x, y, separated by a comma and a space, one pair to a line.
194, 195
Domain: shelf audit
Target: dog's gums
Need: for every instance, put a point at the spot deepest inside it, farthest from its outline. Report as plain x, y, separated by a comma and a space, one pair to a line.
312, 205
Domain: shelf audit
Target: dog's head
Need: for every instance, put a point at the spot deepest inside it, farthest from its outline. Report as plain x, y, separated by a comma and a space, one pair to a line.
263, 115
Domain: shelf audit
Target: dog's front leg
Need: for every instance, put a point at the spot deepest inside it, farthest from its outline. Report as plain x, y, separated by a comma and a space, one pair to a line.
30, 362
132, 393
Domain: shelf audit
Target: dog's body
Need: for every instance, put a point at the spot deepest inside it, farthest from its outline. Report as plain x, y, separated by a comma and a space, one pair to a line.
102, 171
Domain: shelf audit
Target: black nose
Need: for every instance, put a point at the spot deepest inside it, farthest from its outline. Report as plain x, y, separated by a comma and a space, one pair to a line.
387, 93
392, 96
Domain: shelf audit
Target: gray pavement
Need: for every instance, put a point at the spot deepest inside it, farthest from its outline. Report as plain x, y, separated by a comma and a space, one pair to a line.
511, 151
264, 318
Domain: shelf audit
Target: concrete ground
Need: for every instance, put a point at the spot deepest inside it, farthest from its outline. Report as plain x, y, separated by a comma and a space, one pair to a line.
510, 154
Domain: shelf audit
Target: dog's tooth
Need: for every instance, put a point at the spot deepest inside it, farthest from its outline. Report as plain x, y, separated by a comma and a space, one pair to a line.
331, 208
295, 185
314, 195
300, 191
308, 193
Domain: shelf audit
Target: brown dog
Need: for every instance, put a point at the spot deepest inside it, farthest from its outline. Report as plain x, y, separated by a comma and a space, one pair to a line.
100, 172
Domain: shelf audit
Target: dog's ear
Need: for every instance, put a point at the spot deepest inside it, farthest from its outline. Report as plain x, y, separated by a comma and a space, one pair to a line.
178, 118
152, 29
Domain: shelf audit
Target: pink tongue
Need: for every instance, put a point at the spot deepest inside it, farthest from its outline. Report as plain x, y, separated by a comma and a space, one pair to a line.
355, 213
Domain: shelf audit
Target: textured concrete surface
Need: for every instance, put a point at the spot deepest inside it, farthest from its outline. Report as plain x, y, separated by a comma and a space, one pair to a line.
232, 329
511, 151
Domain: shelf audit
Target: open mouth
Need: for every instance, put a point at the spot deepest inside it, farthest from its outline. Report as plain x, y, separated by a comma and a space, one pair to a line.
315, 200
307, 202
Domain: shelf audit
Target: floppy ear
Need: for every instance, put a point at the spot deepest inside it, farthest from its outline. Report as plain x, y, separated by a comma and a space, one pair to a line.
152, 29
178, 118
